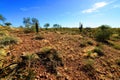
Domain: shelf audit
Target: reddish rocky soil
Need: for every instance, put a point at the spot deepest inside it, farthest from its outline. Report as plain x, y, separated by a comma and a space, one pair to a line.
104, 67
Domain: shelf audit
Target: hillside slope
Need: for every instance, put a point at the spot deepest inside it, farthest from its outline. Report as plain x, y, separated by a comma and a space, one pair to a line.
80, 60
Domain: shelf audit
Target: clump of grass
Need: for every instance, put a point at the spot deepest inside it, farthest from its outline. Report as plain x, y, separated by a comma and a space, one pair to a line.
83, 44
7, 40
115, 37
28, 30
3, 52
50, 58
89, 54
88, 68
114, 45
117, 46
90, 42
39, 37
99, 45
98, 51
3, 33
19, 70
89, 62
118, 62
29, 59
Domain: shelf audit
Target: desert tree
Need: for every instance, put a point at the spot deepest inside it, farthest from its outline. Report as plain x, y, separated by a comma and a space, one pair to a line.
27, 22
57, 26
46, 25
30, 21
34, 21
7, 23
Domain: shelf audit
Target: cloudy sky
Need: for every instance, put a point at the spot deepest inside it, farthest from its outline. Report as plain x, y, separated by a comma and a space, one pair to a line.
68, 13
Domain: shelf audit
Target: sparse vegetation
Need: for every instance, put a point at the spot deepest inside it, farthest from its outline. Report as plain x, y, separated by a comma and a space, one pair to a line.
72, 55
7, 40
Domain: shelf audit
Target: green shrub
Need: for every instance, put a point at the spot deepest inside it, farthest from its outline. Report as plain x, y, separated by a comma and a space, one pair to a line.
103, 33
7, 40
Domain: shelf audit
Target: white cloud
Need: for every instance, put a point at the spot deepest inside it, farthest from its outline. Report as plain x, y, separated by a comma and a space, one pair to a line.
95, 7
28, 8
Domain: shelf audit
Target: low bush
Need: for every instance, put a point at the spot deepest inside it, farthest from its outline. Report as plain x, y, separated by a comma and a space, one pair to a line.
103, 33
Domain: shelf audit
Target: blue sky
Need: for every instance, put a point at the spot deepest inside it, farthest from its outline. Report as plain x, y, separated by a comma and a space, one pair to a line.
68, 13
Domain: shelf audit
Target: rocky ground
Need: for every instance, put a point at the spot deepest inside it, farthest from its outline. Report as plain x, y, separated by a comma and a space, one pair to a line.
74, 51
